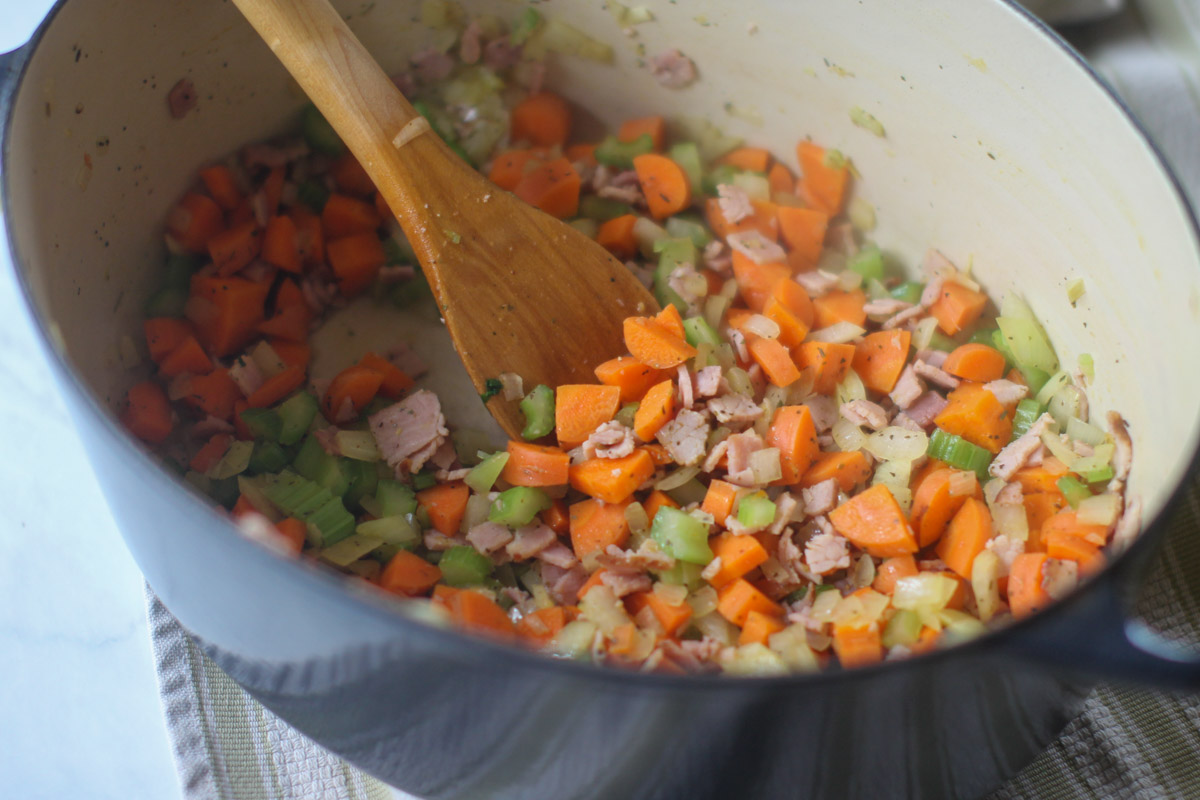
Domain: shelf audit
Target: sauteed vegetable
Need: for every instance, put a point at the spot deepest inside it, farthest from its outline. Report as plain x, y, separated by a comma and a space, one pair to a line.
807, 459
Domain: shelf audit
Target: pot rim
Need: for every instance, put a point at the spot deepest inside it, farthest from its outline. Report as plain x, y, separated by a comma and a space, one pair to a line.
475, 647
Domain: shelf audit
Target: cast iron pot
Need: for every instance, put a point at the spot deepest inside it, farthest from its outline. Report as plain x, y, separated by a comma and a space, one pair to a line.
1001, 148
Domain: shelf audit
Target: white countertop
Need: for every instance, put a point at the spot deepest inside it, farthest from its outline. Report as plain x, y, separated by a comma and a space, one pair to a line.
78, 695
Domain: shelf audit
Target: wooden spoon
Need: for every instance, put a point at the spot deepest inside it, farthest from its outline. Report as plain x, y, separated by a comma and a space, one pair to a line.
520, 291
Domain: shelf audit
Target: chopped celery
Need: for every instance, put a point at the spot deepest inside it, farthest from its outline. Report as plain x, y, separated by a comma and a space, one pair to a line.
1099, 475
697, 330
318, 133
1073, 490
358, 445
710, 140
299, 497
626, 414
868, 262
1028, 410
424, 480
876, 290
234, 462
681, 535
166, 302
687, 156
939, 341
464, 566
612, 152
1088, 366
518, 506
985, 336
683, 574
909, 292
263, 423
538, 408
756, 511
314, 463
394, 498
602, 209
754, 184
267, 457
1024, 335
392, 530
1066, 403
483, 476
903, 629
528, 22
364, 480
313, 194
671, 253
352, 548
722, 173
685, 226
296, 414
1050, 388
958, 452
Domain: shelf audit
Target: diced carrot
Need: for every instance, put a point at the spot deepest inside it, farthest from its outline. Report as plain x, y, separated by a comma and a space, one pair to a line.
344, 216
740, 555
595, 579
582, 152
933, 506
623, 639
214, 394
1042, 478
279, 246
1067, 538
927, 641
616, 236
930, 466
294, 354
775, 360
272, 189
780, 179
633, 129
791, 308
540, 626
355, 261
654, 345
671, 319
580, 408
803, 229
736, 600
794, 433
218, 180
242, 507
556, 516
824, 183
957, 307
976, 415
212, 452
147, 412
310, 237
975, 362
656, 408
892, 570
719, 500
535, 465
873, 521
476, 612
612, 480
655, 501
660, 455
1025, 592
290, 323
1040, 507
631, 376
595, 525
351, 178
664, 183
759, 627
509, 167
838, 306
294, 532
848, 469
189, 356
164, 334
276, 388
880, 358
194, 221
445, 503
226, 312
829, 363
857, 647
752, 159
552, 186
235, 248
395, 381
542, 119
349, 392
763, 221
671, 617
966, 536
757, 282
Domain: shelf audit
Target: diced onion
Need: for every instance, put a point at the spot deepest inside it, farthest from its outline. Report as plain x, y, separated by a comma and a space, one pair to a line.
673, 594
635, 517
1100, 509
849, 280
926, 590
1100, 458
574, 640
752, 659
703, 601
765, 466
992, 489
1059, 449
267, 360
850, 389
903, 496
646, 232
960, 626
791, 644
862, 215
861, 608
755, 186
677, 478
823, 607
603, 607
715, 306
1067, 402
923, 334
359, 445
513, 386
1010, 520
1075, 290
985, 582
730, 289
478, 508
893, 474
739, 381
963, 482
837, 333
716, 627
863, 573
897, 444
848, 436
1081, 431
762, 326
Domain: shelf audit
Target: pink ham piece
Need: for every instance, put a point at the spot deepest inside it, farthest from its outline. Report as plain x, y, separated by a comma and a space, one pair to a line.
409, 432
559, 555
529, 540
908, 388
672, 69
625, 581
827, 552
734, 203
685, 437
926, 407
563, 584
488, 537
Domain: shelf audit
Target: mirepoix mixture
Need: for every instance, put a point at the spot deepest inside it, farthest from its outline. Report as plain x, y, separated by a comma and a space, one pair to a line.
807, 459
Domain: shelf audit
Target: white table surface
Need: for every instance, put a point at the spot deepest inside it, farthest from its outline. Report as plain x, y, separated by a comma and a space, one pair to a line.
79, 704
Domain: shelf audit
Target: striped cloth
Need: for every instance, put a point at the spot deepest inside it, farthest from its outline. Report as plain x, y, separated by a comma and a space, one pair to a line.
1128, 743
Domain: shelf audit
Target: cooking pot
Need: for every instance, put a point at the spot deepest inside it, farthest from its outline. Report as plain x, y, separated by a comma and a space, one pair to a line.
1001, 149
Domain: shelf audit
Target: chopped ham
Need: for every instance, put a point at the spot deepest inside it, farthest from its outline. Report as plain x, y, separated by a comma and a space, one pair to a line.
734, 203
842, 237
716, 257
708, 381
623, 194
432, 65
327, 438
738, 340
930, 293
756, 247
903, 420
901, 317
500, 54
409, 432
935, 375
529, 540
826, 553
452, 474
209, 426
820, 498
1007, 392
885, 307
246, 375
908, 388
1011, 495
687, 391
735, 408
864, 412
1007, 550
559, 555
691, 654
1082, 449
713, 460
935, 358
346, 413
925, 409
521, 599
1059, 577
649, 556
740, 447
1129, 525
681, 281
439, 542
610, 440
625, 581
824, 410
1123, 453
1016, 454
470, 48
788, 509
685, 437
182, 98
563, 584
488, 537
672, 69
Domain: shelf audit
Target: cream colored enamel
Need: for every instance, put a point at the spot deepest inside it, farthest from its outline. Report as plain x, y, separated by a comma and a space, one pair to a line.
1069, 188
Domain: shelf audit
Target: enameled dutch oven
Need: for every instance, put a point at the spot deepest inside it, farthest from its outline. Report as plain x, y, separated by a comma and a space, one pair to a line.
1002, 149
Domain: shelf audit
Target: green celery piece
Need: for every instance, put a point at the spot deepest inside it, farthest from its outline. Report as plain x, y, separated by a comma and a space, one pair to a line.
296, 414
1073, 490
396, 531
364, 480
333, 521
225, 491
959, 453
263, 423
310, 458
691, 492
909, 292
518, 506
722, 173
687, 156
903, 629
612, 152
1028, 410
1028, 343
267, 457
688, 226
394, 498
297, 496
985, 336
409, 293
424, 480
1035, 378
483, 475
1099, 475
313, 194
528, 22
683, 536
697, 330
671, 253
756, 511
627, 413
868, 262
602, 209
168, 301
538, 408
318, 133
464, 566
939, 341
683, 574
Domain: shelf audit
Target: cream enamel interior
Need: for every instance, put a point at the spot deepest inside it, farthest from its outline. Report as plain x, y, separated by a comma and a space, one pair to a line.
1000, 151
